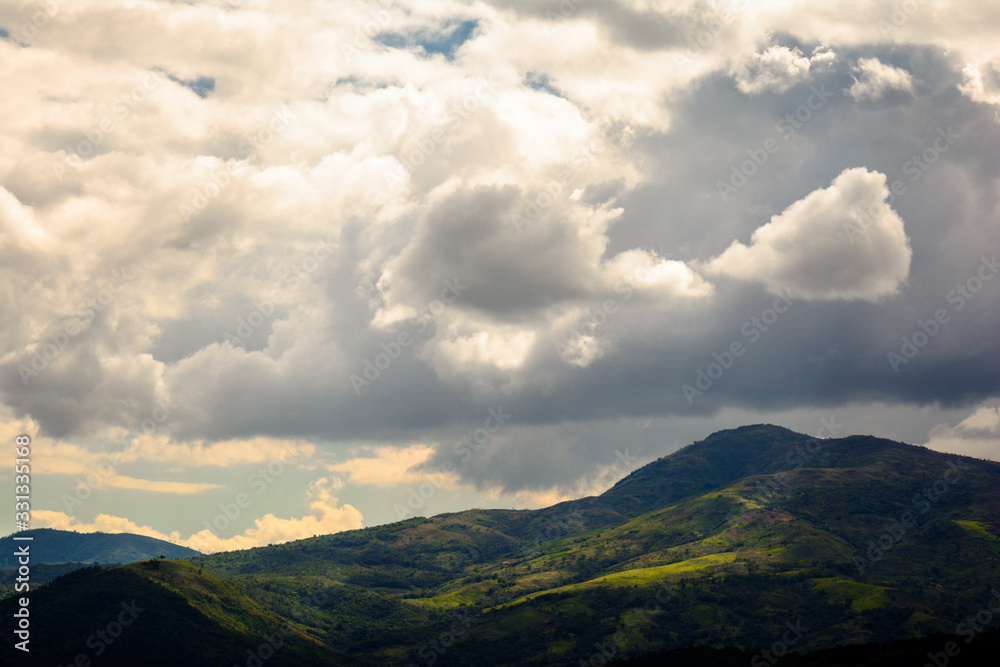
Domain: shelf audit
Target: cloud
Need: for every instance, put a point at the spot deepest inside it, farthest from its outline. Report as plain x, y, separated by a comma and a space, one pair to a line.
18, 222
839, 243
502, 347
389, 467
775, 69
977, 435
875, 79
56, 457
158, 486
326, 518
664, 278
161, 449
981, 82
470, 237
625, 85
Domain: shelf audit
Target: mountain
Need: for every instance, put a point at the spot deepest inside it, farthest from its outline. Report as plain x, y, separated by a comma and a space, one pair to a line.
757, 538
64, 546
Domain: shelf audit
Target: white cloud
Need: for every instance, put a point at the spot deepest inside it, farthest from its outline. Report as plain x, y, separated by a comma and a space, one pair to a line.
977, 435
389, 467
775, 69
843, 242
654, 275
875, 79
620, 84
158, 486
326, 518
51, 456
18, 222
161, 449
63, 458
503, 347
981, 82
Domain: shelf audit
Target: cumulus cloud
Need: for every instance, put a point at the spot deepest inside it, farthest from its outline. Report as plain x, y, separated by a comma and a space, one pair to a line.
388, 466
874, 79
981, 82
977, 435
18, 224
327, 517
645, 271
839, 243
775, 69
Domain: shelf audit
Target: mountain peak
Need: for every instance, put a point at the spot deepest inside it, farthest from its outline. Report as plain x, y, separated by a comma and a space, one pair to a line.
719, 459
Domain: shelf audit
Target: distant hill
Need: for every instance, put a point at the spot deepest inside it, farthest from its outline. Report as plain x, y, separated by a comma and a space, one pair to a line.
64, 546
730, 541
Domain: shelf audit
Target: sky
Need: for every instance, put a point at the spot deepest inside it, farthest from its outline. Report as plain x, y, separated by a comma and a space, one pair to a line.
270, 270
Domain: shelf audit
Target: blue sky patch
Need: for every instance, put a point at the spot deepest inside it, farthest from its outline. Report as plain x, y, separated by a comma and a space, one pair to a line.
203, 86
445, 40
7, 36
459, 34
541, 81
